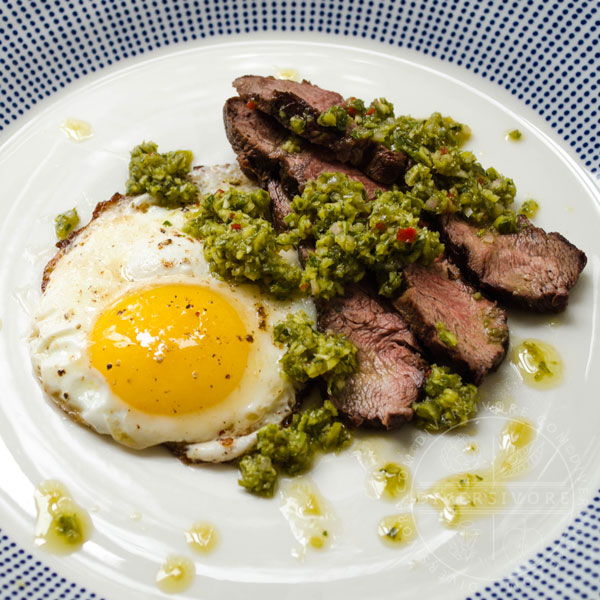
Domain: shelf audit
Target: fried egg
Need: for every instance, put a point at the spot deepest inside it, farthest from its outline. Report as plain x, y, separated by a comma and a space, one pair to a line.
136, 339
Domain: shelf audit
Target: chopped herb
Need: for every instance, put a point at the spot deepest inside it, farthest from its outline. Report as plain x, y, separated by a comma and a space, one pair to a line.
529, 208
291, 450
444, 178
506, 222
515, 135
351, 234
298, 125
164, 176
69, 527
448, 401
336, 116
292, 145
65, 223
239, 242
311, 354
446, 337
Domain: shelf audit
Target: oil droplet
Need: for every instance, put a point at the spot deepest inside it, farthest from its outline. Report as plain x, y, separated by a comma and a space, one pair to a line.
310, 517
463, 496
62, 526
513, 458
202, 537
290, 74
76, 129
538, 363
391, 481
136, 516
175, 575
397, 530
472, 447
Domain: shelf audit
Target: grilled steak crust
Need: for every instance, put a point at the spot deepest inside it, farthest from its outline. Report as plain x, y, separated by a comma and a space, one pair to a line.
256, 138
529, 269
437, 294
391, 370
284, 99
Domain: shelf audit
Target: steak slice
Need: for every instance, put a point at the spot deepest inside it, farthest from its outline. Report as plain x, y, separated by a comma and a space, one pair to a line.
256, 138
529, 269
284, 99
281, 205
436, 295
391, 370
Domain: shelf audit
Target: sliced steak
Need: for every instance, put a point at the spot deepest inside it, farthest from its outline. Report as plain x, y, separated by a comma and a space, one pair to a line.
281, 205
284, 99
391, 370
256, 139
436, 299
529, 269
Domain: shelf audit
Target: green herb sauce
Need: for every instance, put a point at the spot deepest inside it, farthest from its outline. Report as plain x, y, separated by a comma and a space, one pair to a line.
397, 530
352, 235
336, 116
446, 337
444, 178
291, 450
311, 353
448, 401
65, 223
529, 208
292, 145
240, 243
538, 363
391, 481
164, 176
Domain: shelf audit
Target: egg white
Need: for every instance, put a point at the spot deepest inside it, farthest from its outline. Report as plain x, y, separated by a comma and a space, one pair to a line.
132, 244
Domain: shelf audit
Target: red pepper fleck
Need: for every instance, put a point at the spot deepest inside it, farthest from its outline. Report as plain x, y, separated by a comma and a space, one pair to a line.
352, 111
251, 104
219, 191
236, 226
371, 110
304, 286
444, 150
406, 234
231, 215
380, 226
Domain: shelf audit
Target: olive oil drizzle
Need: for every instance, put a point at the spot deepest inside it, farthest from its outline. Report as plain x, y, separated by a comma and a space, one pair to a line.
62, 526
538, 363
309, 515
463, 496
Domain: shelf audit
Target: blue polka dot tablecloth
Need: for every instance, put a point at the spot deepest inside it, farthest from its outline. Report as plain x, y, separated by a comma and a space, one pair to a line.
545, 53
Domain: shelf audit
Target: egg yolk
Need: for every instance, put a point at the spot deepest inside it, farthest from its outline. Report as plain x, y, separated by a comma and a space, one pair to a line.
173, 349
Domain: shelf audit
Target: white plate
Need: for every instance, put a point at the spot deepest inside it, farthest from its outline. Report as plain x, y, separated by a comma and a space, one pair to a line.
175, 99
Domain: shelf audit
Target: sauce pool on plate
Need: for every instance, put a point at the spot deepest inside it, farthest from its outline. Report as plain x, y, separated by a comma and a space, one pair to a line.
538, 363
175, 575
62, 526
463, 496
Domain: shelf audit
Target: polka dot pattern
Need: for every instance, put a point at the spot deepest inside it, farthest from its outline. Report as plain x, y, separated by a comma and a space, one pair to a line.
546, 53
22, 577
